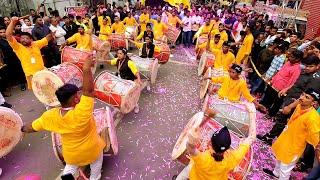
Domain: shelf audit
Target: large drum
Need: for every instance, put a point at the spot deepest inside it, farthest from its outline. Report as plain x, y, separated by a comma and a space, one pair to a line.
172, 34
102, 48
207, 128
77, 57
164, 54
236, 116
10, 130
206, 85
206, 61
105, 128
46, 82
118, 41
120, 93
131, 32
147, 66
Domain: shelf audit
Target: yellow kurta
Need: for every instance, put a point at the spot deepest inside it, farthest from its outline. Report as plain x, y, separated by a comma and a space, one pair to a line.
223, 34
232, 89
215, 24
245, 49
173, 20
100, 20
303, 127
143, 20
130, 21
131, 65
81, 144
158, 29
105, 29
204, 29
118, 28
213, 46
83, 41
30, 57
222, 60
204, 167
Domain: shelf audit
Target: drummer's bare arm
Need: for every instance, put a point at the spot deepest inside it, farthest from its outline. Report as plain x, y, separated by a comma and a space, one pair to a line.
288, 109
28, 128
10, 28
88, 87
50, 36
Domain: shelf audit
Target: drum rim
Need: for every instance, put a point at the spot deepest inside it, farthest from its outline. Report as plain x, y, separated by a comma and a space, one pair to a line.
154, 71
202, 63
57, 79
56, 152
204, 88
19, 133
112, 130
125, 98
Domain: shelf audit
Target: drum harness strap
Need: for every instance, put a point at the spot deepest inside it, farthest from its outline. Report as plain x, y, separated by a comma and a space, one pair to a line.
65, 109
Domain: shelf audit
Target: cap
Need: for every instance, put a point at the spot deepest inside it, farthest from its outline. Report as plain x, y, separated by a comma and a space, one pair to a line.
314, 93
237, 68
221, 140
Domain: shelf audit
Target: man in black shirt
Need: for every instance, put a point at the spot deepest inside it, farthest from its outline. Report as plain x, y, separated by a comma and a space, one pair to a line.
69, 26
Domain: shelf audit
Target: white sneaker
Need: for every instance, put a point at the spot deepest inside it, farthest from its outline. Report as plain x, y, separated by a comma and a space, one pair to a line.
0, 171
136, 109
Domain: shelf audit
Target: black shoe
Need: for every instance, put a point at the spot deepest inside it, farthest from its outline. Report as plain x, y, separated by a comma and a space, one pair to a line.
101, 66
7, 105
174, 177
23, 87
269, 172
265, 139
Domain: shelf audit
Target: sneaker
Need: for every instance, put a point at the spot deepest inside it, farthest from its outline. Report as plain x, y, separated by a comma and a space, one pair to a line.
23, 87
269, 172
136, 109
101, 66
7, 105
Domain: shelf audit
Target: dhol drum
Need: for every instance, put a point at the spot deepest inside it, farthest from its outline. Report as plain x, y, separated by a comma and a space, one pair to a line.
200, 40
206, 61
236, 116
105, 128
102, 48
10, 130
164, 54
46, 82
206, 85
120, 93
131, 32
172, 34
207, 127
118, 41
147, 66
77, 57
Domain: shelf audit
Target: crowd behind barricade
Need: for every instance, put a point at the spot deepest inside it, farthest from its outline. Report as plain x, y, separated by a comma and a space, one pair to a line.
279, 63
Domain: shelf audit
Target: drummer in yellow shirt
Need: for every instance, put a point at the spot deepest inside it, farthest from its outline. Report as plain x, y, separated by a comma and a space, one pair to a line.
159, 28
221, 31
303, 127
216, 162
74, 121
83, 40
233, 87
129, 20
118, 27
147, 48
216, 44
204, 29
144, 18
28, 51
173, 19
224, 58
105, 30
246, 47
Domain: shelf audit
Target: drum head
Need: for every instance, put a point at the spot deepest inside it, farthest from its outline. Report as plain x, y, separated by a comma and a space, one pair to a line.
181, 143
130, 100
202, 63
10, 130
44, 85
154, 71
205, 84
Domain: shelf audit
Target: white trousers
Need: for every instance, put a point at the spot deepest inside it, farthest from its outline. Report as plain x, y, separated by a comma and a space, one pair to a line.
184, 174
2, 99
95, 167
283, 171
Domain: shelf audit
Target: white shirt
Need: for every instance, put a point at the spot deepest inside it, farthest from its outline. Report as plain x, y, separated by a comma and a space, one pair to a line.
196, 21
59, 34
186, 21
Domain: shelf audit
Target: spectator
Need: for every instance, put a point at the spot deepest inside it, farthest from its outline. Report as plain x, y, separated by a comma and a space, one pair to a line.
187, 35
58, 31
69, 26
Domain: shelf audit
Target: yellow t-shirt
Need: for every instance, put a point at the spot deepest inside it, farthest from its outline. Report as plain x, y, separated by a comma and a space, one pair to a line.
143, 20
222, 60
204, 29
104, 29
213, 46
140, 45
84, 41
129, 21
245, 48
223, 34
30, 57
204, 166
81, 144
158, 29
303, 127
215, 24
173, 20
232, 89
131, 65
118, 28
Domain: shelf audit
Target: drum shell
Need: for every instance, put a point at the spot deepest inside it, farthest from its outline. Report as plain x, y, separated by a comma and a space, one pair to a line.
147, 66
164, 54
118, 41
172, 34
102, 48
